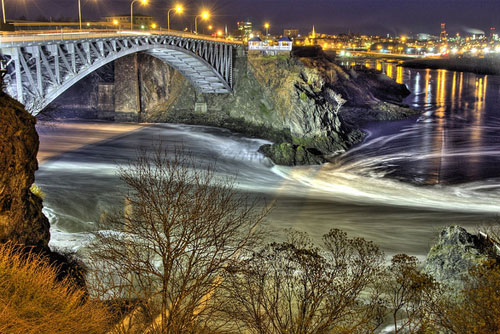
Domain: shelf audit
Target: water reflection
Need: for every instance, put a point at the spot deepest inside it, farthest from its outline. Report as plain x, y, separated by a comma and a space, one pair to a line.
397, 188
456, 139
399, 74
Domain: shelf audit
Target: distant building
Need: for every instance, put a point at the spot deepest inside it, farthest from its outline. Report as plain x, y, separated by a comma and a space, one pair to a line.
255, 43
244, 29
444, 34
291, 33
313, 33
139, 20
285, 43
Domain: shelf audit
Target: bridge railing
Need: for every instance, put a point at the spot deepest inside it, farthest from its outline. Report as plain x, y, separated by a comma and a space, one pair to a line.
69, 34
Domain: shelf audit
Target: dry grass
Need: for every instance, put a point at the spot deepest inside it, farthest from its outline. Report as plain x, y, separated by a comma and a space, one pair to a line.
37, 191
33, 301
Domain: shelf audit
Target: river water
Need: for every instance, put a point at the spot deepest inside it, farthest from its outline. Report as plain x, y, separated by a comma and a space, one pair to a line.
398, 188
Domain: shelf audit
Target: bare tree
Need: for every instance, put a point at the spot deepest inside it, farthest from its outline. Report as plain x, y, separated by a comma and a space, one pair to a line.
408, 295
183, 225
295, 287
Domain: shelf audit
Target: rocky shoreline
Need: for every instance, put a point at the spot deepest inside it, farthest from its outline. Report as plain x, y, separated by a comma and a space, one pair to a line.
22, 221
456, 252
309, 106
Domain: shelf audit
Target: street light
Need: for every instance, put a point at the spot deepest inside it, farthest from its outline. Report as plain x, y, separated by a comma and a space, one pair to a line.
79, 14
204, 15
144, 2
3, 13
267, 29
178, 9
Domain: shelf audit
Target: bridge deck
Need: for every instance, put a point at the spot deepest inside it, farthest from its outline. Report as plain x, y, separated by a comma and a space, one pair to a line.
41, 65
32, 37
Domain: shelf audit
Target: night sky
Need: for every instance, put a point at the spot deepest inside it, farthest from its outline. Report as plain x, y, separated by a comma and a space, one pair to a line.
329, 16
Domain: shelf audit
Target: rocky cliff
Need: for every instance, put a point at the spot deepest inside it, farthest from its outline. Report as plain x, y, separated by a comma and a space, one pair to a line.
456, 251
308, 105
21, 217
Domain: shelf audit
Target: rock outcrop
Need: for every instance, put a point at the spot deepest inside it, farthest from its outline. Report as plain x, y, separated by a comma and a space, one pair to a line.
21, 217
308, 105
456, 251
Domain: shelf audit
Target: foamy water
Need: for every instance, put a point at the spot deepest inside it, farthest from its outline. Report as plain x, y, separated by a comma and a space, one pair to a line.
399, 188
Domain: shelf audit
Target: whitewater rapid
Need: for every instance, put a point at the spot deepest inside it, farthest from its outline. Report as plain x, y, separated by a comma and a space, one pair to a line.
398, 188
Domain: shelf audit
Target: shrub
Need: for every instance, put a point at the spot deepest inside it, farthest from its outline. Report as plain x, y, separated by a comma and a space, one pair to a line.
476, 309
297, 287
37, 191
32, 301
303, 96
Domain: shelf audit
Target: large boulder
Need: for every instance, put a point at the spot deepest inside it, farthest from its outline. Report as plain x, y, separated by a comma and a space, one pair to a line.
456, 251
21, 217
287, 154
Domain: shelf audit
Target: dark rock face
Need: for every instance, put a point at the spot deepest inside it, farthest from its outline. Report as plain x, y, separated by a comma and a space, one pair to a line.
82, 99
292, 155
314, 104
306, 101
455, 253
21, 217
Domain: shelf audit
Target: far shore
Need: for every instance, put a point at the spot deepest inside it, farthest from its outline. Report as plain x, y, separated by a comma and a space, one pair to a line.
488, 66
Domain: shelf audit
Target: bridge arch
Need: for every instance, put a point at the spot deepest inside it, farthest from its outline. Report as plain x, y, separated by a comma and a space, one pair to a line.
39, 72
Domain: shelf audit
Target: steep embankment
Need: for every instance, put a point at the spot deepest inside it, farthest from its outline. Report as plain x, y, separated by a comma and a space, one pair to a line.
21, 217
309, 106
456, 252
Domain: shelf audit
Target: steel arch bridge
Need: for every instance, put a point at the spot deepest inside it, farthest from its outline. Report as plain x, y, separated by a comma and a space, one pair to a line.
41, 67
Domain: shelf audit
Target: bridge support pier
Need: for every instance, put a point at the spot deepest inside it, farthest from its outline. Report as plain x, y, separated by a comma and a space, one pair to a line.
127, 101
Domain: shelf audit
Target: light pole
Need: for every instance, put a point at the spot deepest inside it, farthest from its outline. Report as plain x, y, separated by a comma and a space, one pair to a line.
204, 15
3, 13
79, 14
144, 2
267, 29
178, 9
